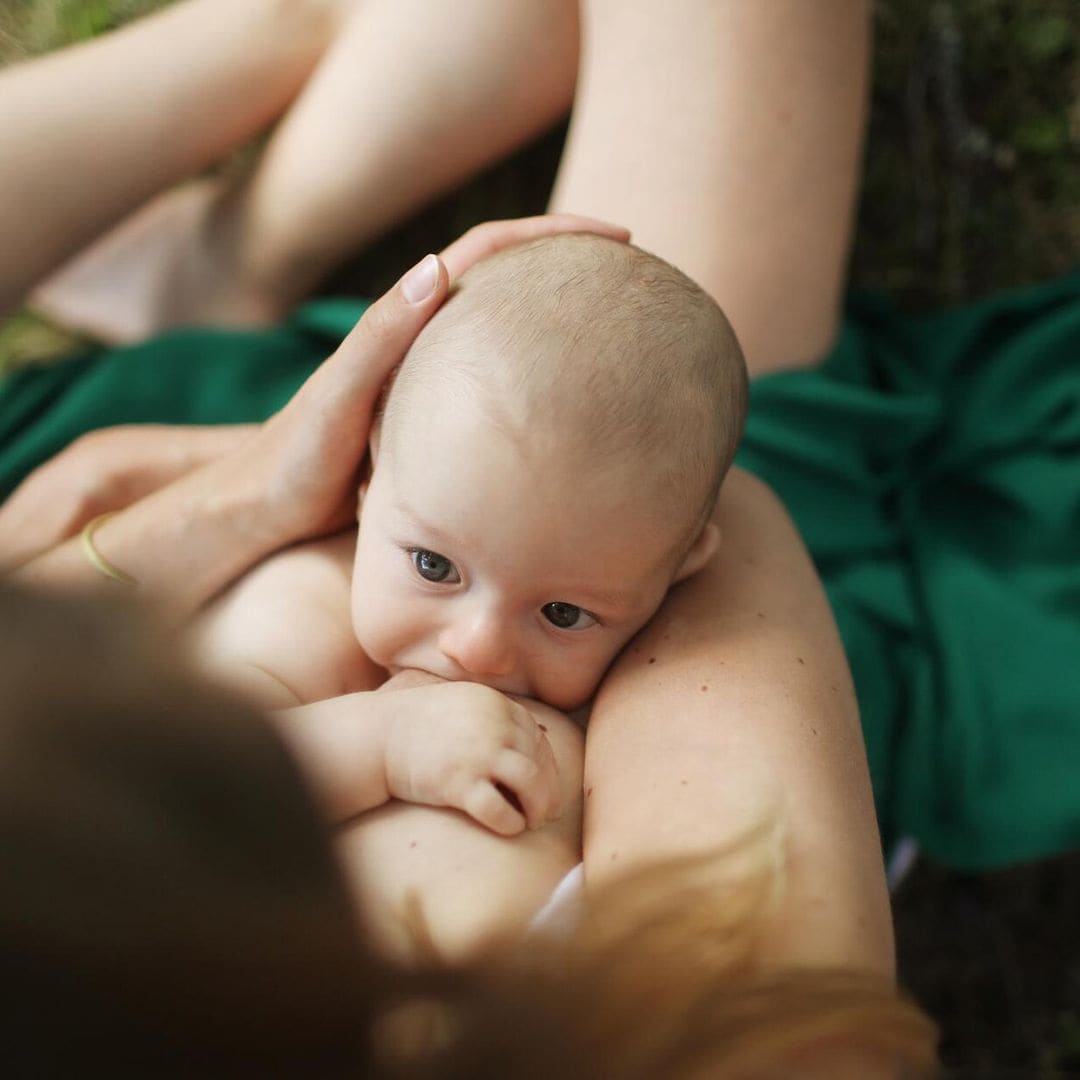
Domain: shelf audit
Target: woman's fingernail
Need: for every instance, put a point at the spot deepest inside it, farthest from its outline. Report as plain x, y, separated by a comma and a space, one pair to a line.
419, 283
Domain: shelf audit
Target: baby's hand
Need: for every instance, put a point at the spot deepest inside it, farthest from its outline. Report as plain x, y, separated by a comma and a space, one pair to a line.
470, 747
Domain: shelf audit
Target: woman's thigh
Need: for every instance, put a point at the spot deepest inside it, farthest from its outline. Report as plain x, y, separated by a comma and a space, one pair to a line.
468, 886
727, 137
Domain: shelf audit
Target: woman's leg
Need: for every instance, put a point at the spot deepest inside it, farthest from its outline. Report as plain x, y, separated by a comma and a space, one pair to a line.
92, 131
727, 137
412, 98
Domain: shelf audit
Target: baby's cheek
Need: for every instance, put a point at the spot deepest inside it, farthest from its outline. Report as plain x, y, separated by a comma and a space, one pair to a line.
374, 639
570, 685
368, 625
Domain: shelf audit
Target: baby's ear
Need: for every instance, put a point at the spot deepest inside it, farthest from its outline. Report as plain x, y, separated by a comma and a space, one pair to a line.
702, 550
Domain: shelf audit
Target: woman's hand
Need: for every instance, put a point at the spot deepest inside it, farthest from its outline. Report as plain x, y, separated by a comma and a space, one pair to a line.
295, 477
306, 459
104, 470
494, 236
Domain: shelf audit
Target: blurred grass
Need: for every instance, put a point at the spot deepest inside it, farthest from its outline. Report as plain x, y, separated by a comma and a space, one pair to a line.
29, 27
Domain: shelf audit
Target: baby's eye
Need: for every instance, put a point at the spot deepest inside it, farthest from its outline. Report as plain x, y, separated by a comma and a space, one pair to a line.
567, 616
432, 566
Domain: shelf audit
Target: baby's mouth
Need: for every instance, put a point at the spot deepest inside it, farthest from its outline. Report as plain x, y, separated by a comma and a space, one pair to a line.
503, 687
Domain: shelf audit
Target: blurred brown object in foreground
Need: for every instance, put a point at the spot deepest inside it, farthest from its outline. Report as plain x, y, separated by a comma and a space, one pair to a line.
171, 904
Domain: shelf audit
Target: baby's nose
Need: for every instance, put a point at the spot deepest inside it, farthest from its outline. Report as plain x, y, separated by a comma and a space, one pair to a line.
481, 645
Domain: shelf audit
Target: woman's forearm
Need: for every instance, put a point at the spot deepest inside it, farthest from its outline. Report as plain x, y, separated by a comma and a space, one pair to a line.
100, 472
181, 544
293, 479
92, 131
736, 703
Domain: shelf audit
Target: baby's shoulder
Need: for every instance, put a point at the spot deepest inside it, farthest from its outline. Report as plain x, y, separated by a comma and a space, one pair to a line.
314, 572
290, 616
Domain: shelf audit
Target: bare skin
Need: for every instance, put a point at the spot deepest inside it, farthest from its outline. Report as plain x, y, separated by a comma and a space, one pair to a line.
767, 100
766, 723
485, 77
199, 95
774, 133
103, 471
472, 887
785, 728
763, 222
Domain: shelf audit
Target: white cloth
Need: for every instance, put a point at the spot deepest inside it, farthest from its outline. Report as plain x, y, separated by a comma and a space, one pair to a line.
562, 912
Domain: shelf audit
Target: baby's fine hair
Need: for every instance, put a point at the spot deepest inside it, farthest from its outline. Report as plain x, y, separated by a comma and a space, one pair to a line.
602, 346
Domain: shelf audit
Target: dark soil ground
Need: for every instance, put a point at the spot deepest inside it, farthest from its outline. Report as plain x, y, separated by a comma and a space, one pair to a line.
972, 184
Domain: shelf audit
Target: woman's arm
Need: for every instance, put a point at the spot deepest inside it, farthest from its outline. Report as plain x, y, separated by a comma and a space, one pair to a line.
728, 137
100, 472
734, 703
295, 477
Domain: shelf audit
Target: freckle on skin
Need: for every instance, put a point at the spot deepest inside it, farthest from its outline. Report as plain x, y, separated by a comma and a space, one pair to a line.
412, 843
814, 730
801, 660
761, 614
544, 729
614, 856
652, 659
683, 783
704, 688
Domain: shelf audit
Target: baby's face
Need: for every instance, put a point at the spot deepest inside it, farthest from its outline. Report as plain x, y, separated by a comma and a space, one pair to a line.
480, 559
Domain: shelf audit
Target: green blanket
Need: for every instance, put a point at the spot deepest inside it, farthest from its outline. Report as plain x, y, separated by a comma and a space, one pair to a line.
933, 467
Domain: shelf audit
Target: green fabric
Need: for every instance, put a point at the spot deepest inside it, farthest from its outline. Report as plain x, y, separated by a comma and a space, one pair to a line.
933, 467
185, 377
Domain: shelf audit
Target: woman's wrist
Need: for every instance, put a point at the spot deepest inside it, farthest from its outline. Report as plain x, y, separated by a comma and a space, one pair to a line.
181, 544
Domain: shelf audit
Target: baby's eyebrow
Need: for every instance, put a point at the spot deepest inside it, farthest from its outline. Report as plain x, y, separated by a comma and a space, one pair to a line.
614, 599
419, 523
611, 600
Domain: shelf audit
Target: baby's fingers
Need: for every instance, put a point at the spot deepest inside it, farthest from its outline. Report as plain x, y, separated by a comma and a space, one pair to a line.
485, 804
534, 781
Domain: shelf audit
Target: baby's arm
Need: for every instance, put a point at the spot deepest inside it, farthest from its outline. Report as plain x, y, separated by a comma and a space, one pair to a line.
424, 741
469, 886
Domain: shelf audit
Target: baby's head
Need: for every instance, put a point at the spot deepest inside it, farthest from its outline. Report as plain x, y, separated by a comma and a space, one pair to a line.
546, 467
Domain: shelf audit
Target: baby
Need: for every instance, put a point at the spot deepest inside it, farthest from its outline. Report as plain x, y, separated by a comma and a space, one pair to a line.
543, 471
